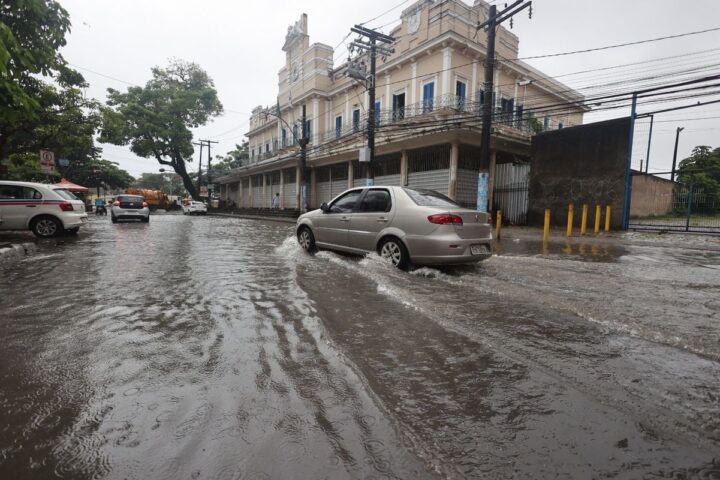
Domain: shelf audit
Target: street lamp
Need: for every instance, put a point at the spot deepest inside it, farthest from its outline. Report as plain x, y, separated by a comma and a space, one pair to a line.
524, 84
677, 138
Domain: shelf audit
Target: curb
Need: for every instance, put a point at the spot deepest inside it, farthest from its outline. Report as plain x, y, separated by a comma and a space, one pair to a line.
16, 252
255, 217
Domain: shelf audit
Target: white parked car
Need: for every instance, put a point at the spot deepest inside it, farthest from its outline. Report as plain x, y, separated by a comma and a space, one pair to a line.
45, 210
198, 208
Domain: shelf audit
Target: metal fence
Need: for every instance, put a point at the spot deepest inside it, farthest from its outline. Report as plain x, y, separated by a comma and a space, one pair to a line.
691, 208
510, 192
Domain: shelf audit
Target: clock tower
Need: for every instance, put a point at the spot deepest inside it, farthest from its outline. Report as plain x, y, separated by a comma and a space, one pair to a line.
296, 44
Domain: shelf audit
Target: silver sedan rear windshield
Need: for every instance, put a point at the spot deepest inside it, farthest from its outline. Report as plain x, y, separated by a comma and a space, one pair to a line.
130, 198
429, 198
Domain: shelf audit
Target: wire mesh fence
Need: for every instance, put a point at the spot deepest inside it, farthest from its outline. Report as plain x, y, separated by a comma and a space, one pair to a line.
686, 207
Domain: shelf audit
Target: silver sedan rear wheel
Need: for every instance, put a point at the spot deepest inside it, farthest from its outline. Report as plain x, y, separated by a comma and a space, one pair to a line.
393, 250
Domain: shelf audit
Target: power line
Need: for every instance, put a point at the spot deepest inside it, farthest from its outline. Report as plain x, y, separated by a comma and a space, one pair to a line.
607, 47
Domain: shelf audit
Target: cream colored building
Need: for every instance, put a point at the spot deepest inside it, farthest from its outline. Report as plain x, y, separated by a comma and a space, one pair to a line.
429, 94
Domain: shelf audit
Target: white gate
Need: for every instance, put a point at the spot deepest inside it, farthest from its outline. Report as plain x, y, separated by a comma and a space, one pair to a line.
510, 192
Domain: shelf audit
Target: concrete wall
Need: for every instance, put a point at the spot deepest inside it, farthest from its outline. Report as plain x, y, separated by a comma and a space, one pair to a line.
582, 164
651, 195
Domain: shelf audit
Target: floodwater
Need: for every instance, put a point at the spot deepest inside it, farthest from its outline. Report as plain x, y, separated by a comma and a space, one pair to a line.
214, 348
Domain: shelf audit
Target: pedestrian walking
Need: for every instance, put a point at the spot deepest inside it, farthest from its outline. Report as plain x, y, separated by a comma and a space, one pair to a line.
276, 201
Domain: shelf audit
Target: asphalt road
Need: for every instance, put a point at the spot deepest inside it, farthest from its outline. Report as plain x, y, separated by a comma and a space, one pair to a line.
199, 347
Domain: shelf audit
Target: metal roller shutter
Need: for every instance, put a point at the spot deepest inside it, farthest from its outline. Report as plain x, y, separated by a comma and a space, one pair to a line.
257, 197
289, 195
466, 191
245, 194
429, 168
389, 180
431, 180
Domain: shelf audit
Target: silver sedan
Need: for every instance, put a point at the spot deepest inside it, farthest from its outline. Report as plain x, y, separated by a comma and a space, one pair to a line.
403, 225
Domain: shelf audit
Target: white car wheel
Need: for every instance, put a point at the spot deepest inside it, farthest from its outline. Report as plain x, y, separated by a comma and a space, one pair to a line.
46, 227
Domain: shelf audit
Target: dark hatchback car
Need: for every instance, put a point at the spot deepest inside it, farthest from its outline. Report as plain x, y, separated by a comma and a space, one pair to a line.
130, 207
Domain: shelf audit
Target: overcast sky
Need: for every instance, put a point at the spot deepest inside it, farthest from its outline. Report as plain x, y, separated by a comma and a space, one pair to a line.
239, 44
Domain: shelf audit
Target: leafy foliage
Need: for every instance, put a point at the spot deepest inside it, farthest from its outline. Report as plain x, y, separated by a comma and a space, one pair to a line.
702, 169
156, 120
235, 158
31, 34
169, 183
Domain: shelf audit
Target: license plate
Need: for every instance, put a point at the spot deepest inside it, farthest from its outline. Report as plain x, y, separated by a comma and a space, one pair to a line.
130, 211
83, 219
479, 249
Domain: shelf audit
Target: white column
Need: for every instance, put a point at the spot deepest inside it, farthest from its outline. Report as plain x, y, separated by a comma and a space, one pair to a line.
282, 188
473, 85
328, 120
413, 84
315, 121
387, 104
452, 187
264, 191
346, 120
403, 168
351, 174
445, 78
240, 202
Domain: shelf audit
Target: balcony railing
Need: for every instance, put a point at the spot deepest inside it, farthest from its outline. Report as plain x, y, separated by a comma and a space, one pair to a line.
445, 104
453, 107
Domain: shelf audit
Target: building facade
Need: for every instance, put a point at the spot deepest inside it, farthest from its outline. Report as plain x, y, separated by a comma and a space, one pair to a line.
429, 96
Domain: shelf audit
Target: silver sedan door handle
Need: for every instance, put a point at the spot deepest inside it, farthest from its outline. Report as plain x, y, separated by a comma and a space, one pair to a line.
382, 219
344, 219
31, 206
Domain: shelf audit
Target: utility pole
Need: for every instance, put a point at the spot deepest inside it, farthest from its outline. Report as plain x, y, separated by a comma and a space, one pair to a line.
201, 145
303, 161
677, 138
209, 165
647, 157
371, 48
494, 19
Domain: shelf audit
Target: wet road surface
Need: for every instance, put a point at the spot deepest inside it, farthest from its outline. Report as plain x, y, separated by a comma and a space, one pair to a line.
214, 348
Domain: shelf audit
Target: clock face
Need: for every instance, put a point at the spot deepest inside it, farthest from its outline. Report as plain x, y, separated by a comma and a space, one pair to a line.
413, 22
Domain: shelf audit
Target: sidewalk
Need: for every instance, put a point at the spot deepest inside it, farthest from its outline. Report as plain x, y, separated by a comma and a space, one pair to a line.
254, 217
639, 238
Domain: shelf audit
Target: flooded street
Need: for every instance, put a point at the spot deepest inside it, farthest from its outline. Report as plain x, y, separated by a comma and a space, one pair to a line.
214, 348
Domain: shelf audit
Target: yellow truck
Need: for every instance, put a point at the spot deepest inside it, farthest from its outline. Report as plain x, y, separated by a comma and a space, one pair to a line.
154, 198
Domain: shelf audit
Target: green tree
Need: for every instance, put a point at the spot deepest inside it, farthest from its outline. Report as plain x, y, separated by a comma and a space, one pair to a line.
97, 172
31, 34
156, 120
66, 125
235, 158
702, 169
169, 183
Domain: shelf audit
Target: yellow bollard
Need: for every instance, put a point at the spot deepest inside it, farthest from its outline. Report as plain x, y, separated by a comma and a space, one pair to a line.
498, 224
570, 220
607, 218
546, 228
598, 212
583, 221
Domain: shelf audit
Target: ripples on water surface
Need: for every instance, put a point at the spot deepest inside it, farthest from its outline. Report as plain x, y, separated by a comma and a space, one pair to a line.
215, 348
